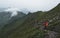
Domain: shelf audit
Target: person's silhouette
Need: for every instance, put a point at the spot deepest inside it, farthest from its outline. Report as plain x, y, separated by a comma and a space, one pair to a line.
45, 25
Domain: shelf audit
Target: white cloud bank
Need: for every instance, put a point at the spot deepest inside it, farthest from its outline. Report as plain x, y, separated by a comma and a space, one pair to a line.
31, 5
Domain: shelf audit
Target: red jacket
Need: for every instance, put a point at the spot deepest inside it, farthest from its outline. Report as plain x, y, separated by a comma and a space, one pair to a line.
45, 23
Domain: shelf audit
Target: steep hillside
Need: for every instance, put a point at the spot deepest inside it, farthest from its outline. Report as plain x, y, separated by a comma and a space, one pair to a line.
30, 26
19, 29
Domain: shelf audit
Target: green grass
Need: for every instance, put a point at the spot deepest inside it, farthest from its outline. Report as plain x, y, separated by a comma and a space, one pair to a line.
26, 28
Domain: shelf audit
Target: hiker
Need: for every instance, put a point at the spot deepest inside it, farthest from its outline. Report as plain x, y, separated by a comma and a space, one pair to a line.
45, 25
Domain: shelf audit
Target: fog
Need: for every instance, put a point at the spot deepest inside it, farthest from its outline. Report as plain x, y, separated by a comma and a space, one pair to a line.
30, 5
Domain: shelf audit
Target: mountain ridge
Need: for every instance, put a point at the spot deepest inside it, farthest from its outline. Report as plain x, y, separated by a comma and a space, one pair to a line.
30, 26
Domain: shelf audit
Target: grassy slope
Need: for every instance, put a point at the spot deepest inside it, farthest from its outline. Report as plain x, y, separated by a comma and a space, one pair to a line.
25, 28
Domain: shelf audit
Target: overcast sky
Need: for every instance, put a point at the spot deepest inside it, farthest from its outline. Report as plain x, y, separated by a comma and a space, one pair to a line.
31, 5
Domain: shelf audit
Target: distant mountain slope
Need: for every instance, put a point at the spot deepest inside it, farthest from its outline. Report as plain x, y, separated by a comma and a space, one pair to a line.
30, 25
6, 17
18, 16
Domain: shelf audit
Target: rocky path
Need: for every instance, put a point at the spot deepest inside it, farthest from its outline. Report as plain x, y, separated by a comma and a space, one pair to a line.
48, 33
51, 34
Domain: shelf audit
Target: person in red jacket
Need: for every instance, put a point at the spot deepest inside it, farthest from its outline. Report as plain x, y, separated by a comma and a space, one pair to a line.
45, 25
